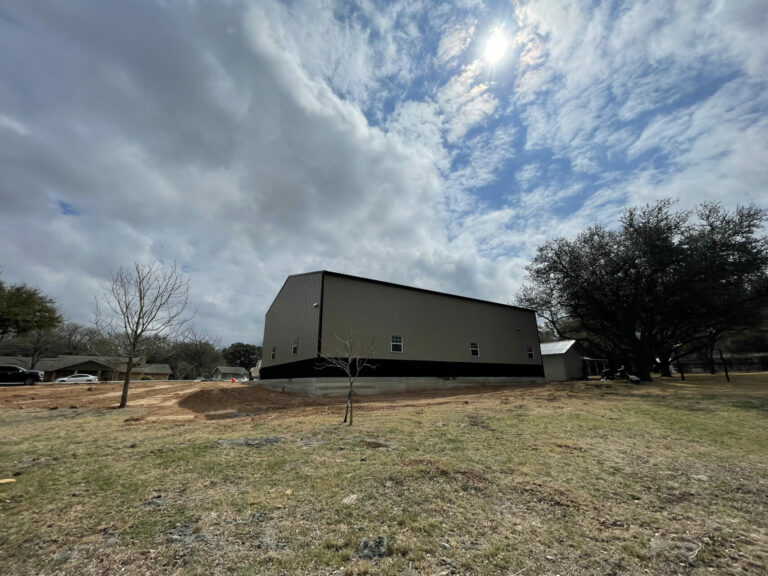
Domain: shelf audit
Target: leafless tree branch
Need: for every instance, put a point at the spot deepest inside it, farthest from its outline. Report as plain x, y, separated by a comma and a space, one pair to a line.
142, 303
351, 361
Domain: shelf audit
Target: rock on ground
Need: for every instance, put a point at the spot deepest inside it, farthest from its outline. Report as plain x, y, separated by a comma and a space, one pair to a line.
370, 549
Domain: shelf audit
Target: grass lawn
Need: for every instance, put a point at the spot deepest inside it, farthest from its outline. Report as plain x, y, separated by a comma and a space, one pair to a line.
585, 478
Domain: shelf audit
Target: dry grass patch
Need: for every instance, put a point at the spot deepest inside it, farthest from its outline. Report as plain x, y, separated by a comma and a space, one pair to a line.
590, 478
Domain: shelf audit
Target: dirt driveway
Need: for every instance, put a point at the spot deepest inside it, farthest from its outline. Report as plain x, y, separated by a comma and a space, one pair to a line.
161, 399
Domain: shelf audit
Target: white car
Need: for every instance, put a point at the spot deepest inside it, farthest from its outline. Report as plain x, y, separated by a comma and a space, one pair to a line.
78, 378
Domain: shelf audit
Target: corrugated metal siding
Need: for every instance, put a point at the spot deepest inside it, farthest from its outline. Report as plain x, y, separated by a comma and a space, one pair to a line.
434, 327
293, 315
561, 367
574, 365
554, 368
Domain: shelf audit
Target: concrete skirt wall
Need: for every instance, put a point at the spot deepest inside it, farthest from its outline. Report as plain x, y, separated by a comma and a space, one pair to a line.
363, 386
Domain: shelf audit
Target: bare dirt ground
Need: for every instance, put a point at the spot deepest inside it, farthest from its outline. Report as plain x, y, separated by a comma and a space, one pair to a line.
188, 400
182, 400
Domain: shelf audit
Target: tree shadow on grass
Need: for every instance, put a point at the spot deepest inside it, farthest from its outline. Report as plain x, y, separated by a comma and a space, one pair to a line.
759, 404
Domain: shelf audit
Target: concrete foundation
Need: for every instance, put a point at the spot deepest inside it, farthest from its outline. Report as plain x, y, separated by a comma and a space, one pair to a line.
368, 386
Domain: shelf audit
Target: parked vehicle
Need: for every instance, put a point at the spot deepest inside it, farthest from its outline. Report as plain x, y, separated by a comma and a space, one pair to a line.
78, 378
20, 375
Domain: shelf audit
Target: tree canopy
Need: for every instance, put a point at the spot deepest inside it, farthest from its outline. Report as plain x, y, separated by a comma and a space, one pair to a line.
241, 354
664, 280
24, 309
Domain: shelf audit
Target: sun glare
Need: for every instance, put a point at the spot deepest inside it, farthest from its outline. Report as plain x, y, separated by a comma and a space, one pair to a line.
496, 46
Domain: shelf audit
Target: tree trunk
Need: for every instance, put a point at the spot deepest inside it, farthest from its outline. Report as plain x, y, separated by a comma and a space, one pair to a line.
348, 408
126, 382
664, 365
725, 367
644, 372
642, 367
679, 365
710, 352
349, 402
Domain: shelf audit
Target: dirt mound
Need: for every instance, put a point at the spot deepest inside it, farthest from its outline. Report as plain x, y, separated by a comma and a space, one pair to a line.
249, 399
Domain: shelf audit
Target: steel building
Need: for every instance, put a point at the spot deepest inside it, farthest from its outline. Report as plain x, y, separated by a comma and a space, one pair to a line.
413, 333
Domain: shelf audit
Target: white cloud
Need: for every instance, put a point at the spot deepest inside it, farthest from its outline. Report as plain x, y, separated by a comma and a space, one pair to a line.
454, 41
488, 153
13, 125
253, 141
465, 102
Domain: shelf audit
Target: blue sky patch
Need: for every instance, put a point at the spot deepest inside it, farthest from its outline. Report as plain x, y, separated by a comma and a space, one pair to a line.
68, 209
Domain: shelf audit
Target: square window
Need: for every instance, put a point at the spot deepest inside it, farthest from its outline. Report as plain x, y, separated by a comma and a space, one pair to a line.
530, 352
397, 344
474, 349
273, 352
295, 346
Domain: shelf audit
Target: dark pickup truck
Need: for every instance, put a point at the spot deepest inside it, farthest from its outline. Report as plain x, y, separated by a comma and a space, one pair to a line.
19, 375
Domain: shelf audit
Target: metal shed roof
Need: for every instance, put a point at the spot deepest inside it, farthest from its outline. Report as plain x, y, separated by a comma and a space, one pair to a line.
552, 348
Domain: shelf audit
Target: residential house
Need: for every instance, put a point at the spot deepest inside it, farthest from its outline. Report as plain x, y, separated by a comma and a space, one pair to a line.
229, 372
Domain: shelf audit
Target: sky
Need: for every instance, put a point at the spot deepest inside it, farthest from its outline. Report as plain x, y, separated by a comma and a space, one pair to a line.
433, 144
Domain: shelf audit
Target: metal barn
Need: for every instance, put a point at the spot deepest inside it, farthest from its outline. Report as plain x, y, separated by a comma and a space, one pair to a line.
419, 338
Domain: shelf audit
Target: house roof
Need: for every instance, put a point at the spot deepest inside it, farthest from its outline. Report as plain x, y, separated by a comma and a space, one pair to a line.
56, 363
147, 369
552, 348
20, 361
231, 369
60, 362
153, 369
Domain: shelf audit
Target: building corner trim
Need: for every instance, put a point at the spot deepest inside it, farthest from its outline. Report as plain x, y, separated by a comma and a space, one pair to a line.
320, 311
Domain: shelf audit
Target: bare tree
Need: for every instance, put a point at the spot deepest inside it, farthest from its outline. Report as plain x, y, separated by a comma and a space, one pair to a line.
141, 303
351, 361
37, 343
199, 351
70, 339
76, 339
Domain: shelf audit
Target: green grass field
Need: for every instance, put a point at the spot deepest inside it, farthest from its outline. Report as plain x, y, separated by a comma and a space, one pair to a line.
586, 478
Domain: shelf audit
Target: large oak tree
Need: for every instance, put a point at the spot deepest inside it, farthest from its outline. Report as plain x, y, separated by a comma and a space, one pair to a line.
664, 280
241, 354
24, 309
